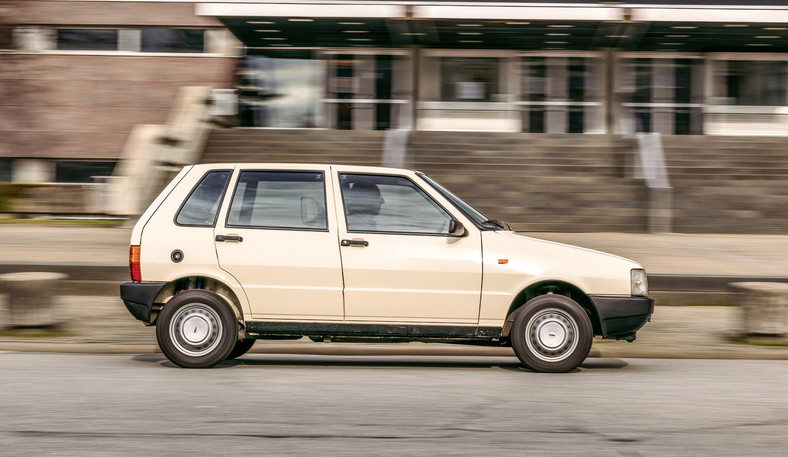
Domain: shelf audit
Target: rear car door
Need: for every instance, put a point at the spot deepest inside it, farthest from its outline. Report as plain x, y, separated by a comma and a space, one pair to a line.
276, 238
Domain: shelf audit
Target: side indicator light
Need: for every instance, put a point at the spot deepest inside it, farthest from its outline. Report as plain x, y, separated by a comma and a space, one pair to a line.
134, 263
503, 261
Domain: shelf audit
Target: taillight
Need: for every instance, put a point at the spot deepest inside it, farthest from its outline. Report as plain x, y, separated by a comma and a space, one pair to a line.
134, 263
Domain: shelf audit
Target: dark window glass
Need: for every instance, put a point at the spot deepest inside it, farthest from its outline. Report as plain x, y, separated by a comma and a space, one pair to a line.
87, 40
202, 205
6, 38
77, 171
390, 204
273, 199
172, 40
5, 170
578, 78
643, 81
683, 81
536, 120
756, 83
576, 119
643, 120
682, 121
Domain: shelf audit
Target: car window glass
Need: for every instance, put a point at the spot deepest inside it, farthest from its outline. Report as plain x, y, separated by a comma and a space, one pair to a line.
202, 205
390, 204
274, 199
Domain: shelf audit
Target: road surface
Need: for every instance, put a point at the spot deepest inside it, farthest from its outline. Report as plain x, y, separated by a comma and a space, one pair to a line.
105, 405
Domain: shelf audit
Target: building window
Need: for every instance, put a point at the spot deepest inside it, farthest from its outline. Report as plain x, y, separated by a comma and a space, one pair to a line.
473, 79
131, 40
87, 39
756, 83
5, 170
6, 38
280, 92
79, 171
172, 40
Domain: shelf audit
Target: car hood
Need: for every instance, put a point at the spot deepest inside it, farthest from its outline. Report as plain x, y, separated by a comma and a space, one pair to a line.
533, 260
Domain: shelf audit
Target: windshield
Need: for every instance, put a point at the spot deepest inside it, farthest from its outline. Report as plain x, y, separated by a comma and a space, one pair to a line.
477, 217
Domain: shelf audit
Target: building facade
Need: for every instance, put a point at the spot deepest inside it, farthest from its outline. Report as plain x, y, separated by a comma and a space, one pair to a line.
75, 76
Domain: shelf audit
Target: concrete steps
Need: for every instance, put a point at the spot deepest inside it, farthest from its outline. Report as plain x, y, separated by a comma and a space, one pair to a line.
728, 184
537, 182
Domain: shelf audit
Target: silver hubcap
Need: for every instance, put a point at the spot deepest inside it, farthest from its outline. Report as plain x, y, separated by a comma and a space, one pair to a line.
551, 335
195, 329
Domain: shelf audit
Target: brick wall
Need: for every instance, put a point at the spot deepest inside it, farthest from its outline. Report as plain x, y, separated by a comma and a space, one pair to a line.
82, 106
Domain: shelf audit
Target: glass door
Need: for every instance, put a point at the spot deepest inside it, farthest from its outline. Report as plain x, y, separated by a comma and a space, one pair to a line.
280, 91
662, 94
561, 94
367, 91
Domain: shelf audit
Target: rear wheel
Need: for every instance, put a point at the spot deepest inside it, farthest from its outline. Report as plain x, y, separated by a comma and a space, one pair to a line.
196, 329
241, 348
552, 333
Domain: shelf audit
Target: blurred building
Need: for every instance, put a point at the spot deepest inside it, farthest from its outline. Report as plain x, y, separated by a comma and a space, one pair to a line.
76, 76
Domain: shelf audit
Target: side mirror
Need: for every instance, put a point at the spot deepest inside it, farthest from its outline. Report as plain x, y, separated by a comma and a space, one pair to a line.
457, 229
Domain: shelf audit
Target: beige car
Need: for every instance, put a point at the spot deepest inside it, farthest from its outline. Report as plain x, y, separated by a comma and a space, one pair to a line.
231, 253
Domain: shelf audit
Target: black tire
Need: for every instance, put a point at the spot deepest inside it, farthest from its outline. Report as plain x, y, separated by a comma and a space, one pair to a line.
212, 329
241, 348
552, 334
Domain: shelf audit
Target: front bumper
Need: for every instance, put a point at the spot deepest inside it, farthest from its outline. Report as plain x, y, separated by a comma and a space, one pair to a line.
139, 298
621, 317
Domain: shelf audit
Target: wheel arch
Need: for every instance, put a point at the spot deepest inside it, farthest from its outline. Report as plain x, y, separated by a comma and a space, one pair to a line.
552, 286
198, 282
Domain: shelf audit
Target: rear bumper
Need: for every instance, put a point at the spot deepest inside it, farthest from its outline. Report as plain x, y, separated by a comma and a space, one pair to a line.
622, 317
139, 298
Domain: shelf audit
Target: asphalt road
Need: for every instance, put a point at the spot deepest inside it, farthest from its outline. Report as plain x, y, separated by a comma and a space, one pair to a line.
85, 404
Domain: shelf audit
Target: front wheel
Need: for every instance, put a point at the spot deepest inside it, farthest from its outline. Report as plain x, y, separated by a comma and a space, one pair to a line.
552, 333
196, 329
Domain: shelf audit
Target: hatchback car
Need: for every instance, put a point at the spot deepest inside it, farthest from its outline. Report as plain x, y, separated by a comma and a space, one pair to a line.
231, 253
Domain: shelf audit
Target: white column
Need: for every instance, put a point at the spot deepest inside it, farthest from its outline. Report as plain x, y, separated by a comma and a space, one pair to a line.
557, 74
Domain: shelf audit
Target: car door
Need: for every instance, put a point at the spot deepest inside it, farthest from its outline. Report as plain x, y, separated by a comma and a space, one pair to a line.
400, 264
276, 238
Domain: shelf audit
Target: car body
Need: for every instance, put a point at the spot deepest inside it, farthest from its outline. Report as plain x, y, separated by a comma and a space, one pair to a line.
230, 253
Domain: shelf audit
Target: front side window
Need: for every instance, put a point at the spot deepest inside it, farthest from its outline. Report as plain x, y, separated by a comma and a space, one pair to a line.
392, 204
202, 206
279, 200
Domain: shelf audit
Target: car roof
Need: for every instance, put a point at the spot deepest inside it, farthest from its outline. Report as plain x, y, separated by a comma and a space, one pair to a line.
301, 166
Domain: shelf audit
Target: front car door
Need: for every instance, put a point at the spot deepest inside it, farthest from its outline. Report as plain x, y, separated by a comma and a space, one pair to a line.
276, 238
400, 264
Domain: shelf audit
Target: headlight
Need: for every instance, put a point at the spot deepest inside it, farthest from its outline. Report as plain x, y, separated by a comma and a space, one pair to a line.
639, 283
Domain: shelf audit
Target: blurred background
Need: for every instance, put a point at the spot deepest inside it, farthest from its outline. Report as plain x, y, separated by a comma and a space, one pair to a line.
654, 129
589, 116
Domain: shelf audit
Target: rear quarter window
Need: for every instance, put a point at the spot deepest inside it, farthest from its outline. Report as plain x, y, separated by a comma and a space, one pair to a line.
201, 207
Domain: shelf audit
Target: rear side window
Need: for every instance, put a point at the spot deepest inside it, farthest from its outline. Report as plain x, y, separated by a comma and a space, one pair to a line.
202, 206
279, 200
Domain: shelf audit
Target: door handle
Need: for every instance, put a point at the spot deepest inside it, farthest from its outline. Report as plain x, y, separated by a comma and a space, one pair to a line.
354, 242
237, 238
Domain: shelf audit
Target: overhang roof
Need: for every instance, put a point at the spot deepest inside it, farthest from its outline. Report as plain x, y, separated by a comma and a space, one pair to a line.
760, 26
